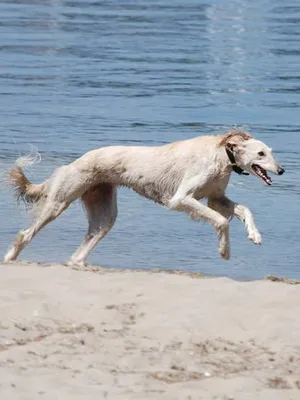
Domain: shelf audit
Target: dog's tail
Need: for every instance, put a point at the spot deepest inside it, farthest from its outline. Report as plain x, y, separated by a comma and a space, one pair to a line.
23, 189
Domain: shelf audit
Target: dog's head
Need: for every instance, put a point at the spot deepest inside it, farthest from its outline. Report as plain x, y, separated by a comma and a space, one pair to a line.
252, 155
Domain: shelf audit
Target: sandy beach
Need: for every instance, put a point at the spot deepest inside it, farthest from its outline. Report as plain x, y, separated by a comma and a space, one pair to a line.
102, 334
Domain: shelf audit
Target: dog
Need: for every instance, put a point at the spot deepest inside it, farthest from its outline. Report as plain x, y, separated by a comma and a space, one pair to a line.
176, 176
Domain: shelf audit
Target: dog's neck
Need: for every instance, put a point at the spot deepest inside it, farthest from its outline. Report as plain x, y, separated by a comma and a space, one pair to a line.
238, 170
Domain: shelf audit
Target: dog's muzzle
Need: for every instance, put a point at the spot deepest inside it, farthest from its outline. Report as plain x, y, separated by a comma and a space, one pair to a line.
280, 171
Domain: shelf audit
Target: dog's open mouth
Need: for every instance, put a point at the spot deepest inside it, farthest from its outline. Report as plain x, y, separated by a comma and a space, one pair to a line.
262, 173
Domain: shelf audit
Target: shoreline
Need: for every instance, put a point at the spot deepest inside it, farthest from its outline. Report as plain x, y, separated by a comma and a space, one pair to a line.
93, 333
191, 274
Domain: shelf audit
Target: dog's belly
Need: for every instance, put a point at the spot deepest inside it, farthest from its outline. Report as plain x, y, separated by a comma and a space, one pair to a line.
151, 192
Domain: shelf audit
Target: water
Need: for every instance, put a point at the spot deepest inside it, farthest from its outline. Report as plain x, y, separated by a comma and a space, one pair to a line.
77, 75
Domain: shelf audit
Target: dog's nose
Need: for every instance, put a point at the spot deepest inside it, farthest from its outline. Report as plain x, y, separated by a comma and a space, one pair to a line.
280, 171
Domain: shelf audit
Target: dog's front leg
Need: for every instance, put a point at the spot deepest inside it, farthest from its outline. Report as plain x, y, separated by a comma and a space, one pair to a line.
197, 211
245, 215
228, 208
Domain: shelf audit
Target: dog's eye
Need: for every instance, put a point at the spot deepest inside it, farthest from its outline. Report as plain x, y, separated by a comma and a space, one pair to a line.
261, 153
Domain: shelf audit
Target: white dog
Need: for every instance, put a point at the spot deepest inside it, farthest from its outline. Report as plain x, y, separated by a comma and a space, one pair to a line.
175, 175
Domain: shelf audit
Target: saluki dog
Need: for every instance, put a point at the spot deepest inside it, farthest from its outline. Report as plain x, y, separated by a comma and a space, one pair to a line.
176, 175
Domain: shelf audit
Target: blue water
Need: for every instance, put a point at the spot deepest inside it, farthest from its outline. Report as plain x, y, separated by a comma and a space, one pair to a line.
76, 75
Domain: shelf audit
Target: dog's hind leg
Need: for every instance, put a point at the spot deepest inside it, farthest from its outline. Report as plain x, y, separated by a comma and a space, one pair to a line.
51, 210
228, 209
101, 206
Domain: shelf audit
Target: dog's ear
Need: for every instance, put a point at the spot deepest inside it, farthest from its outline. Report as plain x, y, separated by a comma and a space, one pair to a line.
234, 138
230, 145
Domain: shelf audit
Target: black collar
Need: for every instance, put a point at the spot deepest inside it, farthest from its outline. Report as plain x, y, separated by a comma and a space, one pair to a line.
235, 168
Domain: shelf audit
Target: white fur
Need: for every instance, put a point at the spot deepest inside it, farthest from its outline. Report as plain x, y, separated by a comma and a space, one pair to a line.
30, 159
176, 176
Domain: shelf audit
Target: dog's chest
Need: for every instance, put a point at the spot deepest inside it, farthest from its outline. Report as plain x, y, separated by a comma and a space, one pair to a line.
215, 187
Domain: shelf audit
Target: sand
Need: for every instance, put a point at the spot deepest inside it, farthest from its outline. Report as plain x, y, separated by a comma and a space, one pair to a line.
73, 334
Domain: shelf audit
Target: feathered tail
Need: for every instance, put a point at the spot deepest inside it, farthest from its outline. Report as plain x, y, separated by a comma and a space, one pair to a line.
23, 189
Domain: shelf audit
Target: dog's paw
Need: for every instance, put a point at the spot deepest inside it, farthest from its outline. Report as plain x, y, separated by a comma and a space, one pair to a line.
225, 252
10, 256
76, 263
255, 237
